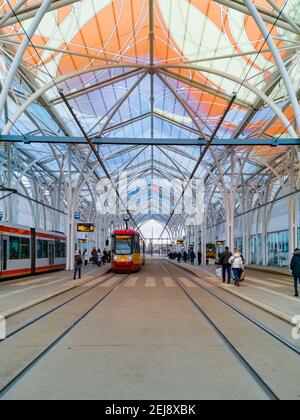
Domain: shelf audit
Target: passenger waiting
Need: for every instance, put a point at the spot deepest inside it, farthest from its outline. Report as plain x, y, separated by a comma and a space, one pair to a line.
85, 257
78, 263
237, 265
226, 267
199, 257
192, 257
295, 267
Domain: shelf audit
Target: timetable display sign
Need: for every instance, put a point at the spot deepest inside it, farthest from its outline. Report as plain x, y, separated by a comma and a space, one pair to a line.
85, 227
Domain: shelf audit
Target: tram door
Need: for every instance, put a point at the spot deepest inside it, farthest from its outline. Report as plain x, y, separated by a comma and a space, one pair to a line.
51, 253
3, 254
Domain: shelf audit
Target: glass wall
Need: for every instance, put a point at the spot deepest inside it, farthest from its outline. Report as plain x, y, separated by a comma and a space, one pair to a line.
278, 249
238, 245
256, 250
260, 252
253, 249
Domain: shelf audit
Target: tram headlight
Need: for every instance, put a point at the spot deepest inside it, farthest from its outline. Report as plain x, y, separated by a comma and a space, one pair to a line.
130, 258
116, 258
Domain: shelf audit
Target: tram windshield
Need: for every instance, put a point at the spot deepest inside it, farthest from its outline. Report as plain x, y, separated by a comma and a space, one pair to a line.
123, 245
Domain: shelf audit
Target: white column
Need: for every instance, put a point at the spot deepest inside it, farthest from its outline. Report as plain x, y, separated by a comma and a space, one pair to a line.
292, 206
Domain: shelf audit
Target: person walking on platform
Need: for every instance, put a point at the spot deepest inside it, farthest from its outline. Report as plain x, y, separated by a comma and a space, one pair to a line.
193, 257
99, 258
179, 257
295, 267
104, 258
94, 257
199, 258
85, 257
105, 254
226, 267
237, 265
78, 263
185, 256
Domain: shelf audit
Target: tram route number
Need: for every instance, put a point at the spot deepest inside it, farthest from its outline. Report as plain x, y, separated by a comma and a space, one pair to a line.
161, 410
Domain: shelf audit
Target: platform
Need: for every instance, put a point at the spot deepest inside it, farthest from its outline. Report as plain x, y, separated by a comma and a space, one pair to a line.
19, 294
152, 335
268, 290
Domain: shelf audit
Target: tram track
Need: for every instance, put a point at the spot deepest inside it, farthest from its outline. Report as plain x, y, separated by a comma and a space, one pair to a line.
248, 317
228, 343
57, 307
26, 369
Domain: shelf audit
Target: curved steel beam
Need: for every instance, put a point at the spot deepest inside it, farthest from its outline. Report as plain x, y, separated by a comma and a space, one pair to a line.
21, 51
247, 85
278, 59
55, 82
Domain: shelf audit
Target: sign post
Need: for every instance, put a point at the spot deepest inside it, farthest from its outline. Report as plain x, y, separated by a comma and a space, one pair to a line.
77, 215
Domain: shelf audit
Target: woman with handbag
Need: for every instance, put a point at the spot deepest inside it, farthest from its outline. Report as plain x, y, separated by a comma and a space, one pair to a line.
237, 265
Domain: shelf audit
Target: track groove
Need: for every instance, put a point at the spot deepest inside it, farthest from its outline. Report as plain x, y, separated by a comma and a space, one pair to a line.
4, 390
252, 372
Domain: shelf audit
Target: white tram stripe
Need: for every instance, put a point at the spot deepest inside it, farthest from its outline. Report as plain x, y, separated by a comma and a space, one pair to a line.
131, 282
168, 282
150, 282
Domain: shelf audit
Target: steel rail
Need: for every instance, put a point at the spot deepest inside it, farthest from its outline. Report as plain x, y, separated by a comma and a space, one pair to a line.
61, 305
258, 324
13, 382
253, 373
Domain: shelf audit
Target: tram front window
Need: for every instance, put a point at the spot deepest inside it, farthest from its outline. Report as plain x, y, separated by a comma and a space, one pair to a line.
123, 246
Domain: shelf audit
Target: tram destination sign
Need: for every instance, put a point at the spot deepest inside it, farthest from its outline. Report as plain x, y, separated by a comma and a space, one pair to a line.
86, 227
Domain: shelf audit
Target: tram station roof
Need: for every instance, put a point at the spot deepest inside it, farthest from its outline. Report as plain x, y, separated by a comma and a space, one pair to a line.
149, 69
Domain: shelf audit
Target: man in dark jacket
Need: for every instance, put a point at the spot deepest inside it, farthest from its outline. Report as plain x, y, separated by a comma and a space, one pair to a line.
192, 257
199, 258
185, 256
226, 267
78, 263
295, 267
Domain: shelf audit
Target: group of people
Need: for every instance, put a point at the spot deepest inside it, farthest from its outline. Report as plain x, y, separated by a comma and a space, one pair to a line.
186, 256
100, 258
233, 265
82, 259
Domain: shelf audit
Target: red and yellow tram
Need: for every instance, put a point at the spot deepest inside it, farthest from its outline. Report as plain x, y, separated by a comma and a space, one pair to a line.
26, 251
128, 251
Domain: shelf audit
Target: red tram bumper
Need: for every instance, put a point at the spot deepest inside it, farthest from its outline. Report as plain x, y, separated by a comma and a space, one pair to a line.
125, 267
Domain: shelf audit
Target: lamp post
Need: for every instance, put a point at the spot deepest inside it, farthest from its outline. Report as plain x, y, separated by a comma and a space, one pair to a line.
126, 220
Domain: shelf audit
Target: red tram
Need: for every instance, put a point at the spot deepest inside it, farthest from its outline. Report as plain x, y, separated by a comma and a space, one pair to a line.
128, 251
25, 251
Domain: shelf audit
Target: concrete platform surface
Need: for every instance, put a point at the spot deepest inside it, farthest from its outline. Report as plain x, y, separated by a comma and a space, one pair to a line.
147, 341
19, 293
269, 291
